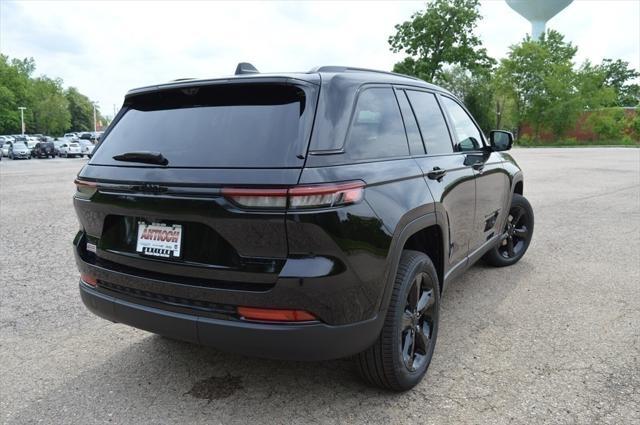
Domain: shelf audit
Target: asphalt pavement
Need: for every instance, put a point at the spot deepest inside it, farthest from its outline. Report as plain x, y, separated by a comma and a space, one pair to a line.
553, 339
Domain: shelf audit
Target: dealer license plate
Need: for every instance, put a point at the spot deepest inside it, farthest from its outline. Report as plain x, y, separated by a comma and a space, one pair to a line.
159, 240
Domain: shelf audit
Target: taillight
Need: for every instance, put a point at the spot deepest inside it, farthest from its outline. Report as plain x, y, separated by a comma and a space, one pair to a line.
275, 315
299, 197
85, 189
326, 195
257, 198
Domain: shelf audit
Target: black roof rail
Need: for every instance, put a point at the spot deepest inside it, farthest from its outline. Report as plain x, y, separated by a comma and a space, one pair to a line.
246, 68
182, 79
332, 68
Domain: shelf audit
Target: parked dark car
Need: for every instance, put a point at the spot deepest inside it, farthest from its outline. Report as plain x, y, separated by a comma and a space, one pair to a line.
89, 136
44, 150
303, 216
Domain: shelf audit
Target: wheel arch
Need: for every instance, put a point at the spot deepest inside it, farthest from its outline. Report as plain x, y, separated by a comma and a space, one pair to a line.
517, 183
418, 234
519, 188
430, 242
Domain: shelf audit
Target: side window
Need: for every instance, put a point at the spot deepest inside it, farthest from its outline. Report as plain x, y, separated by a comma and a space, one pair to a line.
411, 126
377, 130
469, 138
433, 126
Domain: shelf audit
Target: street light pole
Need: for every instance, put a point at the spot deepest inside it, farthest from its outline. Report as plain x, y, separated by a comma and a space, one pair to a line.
95, 123
22, 108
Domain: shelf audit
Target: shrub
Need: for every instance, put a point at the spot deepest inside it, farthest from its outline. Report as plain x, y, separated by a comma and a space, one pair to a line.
608, 124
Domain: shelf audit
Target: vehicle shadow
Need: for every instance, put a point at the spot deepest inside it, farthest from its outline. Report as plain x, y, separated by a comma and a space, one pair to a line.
158, 380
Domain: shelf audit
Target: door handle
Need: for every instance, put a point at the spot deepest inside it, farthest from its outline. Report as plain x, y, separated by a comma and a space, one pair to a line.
436, 174
478, 166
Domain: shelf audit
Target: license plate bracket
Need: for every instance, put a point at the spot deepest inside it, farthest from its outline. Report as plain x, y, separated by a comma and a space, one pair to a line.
159, 240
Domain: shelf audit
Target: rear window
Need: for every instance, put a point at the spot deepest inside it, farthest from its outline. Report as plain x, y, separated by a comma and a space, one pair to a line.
233, 125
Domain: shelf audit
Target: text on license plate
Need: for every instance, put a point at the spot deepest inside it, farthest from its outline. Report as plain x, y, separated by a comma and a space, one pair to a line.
159, 240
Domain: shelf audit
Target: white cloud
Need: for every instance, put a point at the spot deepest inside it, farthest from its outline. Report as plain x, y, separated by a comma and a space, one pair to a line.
106, 48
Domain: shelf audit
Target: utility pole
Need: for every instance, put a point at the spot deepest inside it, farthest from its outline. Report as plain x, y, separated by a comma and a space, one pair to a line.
22, 108
95, 122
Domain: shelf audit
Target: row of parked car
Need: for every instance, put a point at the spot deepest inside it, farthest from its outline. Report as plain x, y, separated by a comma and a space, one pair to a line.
70, 145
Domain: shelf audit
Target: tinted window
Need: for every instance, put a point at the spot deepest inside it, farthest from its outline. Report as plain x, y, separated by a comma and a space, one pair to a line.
233, 125
468, 135
376, 129
410, 124
431, 121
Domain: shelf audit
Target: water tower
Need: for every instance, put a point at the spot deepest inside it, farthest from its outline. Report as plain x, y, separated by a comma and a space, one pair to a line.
538, 12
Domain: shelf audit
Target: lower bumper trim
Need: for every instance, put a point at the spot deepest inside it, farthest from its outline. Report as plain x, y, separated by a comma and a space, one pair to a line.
312, 342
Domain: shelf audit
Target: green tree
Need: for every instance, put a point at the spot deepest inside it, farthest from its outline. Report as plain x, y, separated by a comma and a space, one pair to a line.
592, 87
539, 76
620, 77
441, 35
81, 110
14, 84
49, 107
25, 66
476, 92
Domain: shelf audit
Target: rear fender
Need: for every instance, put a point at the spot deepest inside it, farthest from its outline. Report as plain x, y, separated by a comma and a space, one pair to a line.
403, 232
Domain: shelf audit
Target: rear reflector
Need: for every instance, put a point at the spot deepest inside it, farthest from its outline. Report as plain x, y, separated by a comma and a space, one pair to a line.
299, 197
89, 280
274, 315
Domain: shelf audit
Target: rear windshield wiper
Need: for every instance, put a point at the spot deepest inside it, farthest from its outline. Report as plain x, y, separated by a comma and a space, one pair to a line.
146, 157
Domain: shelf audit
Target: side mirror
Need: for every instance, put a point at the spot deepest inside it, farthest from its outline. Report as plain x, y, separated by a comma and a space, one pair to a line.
501, 140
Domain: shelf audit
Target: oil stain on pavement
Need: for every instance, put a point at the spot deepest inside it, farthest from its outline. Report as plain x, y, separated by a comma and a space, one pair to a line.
216, 387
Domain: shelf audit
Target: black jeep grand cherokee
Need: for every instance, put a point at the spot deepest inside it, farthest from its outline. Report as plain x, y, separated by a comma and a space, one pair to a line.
297, 216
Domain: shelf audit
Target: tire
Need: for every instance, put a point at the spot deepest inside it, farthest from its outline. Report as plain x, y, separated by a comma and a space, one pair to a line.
385, 364
517, 234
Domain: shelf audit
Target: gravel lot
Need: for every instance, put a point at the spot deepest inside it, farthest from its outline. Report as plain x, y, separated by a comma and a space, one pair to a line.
554, 339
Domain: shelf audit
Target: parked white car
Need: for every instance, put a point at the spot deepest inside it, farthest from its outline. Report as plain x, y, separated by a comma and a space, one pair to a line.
5, 139
5, 148
86, 147
71, 136
31, 142
70, 149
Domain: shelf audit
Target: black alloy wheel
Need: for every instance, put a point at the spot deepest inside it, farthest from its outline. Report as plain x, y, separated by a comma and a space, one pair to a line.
418, 322
516, 233
402, 353
516, 236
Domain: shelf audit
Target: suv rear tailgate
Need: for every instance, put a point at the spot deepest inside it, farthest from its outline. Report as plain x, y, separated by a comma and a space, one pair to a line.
214, 137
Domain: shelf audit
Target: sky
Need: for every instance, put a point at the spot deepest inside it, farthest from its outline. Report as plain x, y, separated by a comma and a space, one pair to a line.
105, 48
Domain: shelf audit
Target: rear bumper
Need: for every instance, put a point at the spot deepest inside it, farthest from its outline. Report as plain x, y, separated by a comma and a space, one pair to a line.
311, 341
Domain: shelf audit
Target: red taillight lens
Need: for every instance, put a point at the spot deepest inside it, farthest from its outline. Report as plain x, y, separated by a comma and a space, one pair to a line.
89, 280
326, 195
257, 198
85, 189
311, 196
275, 315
